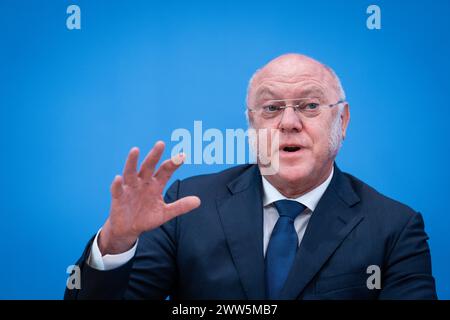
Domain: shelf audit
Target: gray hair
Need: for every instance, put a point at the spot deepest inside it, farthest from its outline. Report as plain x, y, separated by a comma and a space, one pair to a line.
339, 88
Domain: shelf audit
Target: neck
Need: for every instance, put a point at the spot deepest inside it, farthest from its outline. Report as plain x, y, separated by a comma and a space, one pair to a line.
297, 188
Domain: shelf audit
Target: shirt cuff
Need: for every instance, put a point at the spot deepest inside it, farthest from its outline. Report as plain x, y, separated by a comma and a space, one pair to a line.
108, 261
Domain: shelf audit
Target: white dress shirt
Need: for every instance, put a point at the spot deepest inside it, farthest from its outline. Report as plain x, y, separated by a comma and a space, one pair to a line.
270, 195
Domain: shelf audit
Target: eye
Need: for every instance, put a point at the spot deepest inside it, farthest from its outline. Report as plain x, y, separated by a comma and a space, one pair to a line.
271, 108
311, 106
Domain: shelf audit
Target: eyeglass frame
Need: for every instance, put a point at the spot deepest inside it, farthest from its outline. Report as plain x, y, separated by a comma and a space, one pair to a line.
297, 106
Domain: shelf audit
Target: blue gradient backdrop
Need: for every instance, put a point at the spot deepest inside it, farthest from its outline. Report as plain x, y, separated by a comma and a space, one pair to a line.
72, 103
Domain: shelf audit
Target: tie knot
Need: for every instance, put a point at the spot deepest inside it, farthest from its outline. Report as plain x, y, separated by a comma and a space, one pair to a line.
289, 208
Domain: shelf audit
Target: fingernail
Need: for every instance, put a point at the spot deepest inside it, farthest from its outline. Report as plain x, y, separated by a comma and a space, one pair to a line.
178, 159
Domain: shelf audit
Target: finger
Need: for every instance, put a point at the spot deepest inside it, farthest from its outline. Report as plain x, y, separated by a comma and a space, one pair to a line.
168, 167
182, 206
129, 173
150, 161
116, 187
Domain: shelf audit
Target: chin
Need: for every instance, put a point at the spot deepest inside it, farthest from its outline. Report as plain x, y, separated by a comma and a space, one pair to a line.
292, 173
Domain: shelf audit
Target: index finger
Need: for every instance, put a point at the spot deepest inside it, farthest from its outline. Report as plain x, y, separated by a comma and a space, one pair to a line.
168, 167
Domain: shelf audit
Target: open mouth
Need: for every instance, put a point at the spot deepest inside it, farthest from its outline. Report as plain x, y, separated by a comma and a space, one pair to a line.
291, 148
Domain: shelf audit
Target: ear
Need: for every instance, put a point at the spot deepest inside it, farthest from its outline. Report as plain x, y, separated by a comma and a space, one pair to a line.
345, 116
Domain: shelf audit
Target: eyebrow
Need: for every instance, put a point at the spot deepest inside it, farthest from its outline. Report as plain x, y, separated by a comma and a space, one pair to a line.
264, 91
308, 91
313, 91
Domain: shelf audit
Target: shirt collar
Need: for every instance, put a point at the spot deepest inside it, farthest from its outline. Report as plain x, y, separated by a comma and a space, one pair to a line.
309, 199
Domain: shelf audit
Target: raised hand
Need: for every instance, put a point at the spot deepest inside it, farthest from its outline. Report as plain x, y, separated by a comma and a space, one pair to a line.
137, 202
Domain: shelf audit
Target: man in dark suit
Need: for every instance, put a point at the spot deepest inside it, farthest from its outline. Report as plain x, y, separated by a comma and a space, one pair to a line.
305, 231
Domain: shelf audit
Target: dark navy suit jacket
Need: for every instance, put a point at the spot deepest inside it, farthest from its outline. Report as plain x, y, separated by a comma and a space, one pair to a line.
216, 251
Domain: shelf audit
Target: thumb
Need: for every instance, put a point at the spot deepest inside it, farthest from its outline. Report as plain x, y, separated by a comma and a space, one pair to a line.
182, 206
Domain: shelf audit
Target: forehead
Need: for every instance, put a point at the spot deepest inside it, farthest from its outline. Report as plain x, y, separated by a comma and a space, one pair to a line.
292, 79
283, 90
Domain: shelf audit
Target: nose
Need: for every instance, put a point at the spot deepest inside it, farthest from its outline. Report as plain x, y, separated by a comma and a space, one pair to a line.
290, 121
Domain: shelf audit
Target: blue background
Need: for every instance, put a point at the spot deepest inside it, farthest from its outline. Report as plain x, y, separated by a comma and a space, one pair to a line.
72, 103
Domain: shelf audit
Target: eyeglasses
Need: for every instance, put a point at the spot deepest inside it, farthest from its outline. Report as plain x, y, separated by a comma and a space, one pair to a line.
308, 107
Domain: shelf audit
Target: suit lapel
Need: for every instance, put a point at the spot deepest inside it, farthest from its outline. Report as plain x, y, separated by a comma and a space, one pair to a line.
241, 215
330, 223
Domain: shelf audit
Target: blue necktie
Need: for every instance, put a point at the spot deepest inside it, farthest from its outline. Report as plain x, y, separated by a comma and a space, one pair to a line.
282, 247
